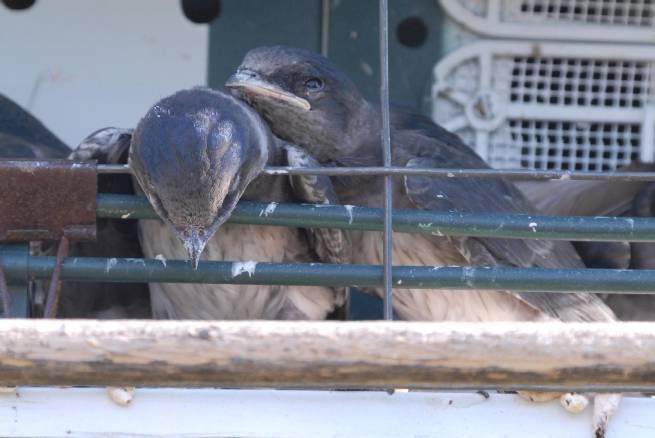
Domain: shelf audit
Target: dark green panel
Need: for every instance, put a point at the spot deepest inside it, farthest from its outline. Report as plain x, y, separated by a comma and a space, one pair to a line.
354, 46
245, 24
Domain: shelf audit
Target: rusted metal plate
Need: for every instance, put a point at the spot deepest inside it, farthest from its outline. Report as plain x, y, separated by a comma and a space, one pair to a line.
46, 200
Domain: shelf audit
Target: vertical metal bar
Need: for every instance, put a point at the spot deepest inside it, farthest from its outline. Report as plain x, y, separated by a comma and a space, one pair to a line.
325, 28
54, 289
5, 295
19, 286
386, 152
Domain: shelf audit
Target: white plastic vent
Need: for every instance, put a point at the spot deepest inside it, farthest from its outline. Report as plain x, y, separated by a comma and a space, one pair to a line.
583, 20
550, 106
616, 12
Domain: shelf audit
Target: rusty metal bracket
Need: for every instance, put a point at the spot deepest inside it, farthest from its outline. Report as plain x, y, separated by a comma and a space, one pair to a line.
47, 200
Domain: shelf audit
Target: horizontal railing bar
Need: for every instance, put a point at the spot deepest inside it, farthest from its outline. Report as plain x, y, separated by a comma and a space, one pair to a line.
410, 221
451, 173
127, 270
324, 354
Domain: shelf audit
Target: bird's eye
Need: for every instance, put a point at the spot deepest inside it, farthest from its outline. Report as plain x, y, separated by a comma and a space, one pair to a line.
314, 84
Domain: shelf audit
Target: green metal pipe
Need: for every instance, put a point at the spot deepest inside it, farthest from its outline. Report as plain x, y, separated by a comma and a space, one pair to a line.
176, 271
410, 221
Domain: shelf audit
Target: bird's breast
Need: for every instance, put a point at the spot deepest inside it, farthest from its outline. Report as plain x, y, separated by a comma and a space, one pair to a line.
244, 245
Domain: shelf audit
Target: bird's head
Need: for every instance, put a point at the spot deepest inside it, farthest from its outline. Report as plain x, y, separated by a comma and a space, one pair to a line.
304, 97
193, 155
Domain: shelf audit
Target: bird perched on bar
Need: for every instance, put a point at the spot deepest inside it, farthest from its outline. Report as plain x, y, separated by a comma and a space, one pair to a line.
308, 101
194, 155
23, 136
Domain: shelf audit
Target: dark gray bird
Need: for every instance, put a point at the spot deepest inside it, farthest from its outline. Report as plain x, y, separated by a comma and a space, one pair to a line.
195, 154
310, 102
24, 136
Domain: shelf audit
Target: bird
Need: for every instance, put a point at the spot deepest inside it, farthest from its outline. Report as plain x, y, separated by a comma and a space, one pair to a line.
23, 136
194, 155
310, 102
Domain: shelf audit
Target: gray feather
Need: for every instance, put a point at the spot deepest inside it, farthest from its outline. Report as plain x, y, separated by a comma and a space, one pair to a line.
330, 244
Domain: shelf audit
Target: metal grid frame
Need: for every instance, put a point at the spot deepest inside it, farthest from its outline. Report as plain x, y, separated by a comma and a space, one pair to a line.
512, 226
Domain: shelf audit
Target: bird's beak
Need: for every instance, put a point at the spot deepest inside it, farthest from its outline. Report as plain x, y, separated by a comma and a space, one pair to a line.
194, 245
249, 82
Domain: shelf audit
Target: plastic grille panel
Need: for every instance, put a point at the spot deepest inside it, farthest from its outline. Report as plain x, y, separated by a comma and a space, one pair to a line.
569, 20
574, 145
581, 82
550, 105
621, 12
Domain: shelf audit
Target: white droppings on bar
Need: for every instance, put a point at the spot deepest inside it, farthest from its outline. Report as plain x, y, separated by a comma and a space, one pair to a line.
110, 264
239, 268
270, 208
349, 209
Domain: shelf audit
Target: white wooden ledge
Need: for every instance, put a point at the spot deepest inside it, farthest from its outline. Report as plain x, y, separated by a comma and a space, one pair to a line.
88, 412
619, 356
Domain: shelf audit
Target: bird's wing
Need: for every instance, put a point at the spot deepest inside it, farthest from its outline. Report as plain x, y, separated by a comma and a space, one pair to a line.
491, 195
17, 122
600, 198
581, 198
15, 147
330, 244
106, 146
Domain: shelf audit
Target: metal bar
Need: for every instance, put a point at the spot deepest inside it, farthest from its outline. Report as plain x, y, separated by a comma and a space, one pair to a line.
54, 289
514, 174
123, 270
325, 27
577, 228
386, 154
19, 286
5, 295
327, 354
